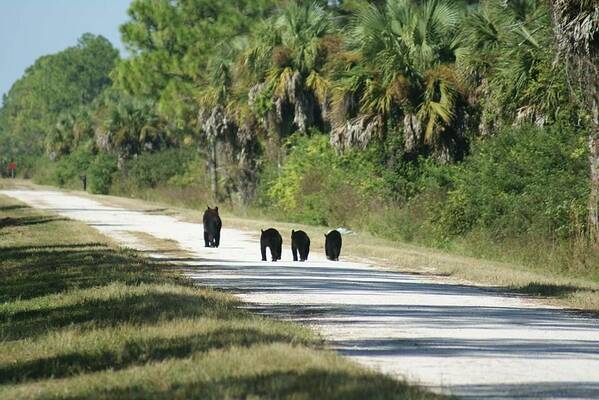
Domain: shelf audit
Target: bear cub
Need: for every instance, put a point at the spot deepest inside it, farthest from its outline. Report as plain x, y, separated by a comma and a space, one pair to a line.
272, 239
300, 243
332, 245
212, 225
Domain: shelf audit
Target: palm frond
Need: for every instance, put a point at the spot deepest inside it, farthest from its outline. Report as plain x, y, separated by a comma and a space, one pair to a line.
318, 84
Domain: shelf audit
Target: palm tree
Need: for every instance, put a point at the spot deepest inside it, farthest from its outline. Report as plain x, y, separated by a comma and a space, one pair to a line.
576, 33
402, 73
503, 60
226, 125
59, 140
218, 128
83, 126
288, 58
128, 126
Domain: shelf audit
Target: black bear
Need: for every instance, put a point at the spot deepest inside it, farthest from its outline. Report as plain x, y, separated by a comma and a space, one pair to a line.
300, 243
332, 245
212, 226
272, 239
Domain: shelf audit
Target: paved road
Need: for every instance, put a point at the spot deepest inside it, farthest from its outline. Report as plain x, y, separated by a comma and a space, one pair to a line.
454, 338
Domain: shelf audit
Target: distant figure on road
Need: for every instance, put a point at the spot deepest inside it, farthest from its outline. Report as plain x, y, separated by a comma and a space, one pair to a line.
12, 170
212, 226
84, 181
300, 243
272, 239
332, 245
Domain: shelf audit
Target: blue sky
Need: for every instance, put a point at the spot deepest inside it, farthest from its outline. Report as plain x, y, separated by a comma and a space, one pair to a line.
32, 28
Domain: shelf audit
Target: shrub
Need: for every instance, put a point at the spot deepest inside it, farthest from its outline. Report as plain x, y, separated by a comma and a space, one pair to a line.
40, 169
151, 169
524, 180
100, 173
316, 185
193, 175
69, 168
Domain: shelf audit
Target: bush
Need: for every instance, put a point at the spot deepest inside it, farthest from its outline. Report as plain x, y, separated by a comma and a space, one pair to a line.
318, 186
100, 173
524, 180
68, 169
150, 169
40, 169
66, 172
173, 176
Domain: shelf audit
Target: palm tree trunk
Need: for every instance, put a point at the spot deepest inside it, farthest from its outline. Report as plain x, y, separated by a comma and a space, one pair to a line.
593, 142
576, 26
212, 168
121, 163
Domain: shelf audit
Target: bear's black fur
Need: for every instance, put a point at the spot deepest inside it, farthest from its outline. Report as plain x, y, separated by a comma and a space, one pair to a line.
272, 239
300, 243
212, 225
332, 245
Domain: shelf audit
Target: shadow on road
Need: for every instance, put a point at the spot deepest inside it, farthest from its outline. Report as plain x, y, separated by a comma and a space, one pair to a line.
357, 299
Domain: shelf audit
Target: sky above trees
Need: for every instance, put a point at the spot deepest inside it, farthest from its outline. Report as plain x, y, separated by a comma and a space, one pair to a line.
32, 28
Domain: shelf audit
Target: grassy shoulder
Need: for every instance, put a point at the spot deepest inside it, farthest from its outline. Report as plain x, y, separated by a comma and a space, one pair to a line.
80, 318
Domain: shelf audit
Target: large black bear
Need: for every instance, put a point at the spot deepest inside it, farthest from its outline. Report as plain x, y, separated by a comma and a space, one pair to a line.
272, 239
300, 243
332, 245
212, 225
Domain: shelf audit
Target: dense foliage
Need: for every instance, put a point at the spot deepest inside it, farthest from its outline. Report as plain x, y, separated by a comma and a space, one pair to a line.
524, 180
320, 186
424, 120
42, 107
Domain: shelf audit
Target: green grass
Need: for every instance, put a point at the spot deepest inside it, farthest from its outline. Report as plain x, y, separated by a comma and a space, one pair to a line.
80, 318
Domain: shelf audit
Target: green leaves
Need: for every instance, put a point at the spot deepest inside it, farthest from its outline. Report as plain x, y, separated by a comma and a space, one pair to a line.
317, 185
56, 84
407, 55
437, 107
301, 28
184, 52
525, 180
288, 55
508, 51
130, 124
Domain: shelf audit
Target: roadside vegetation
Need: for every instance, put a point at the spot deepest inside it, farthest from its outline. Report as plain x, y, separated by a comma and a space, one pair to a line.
80, 318
445, 124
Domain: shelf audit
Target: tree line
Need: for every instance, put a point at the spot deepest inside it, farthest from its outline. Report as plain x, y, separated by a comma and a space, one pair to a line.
420, 80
